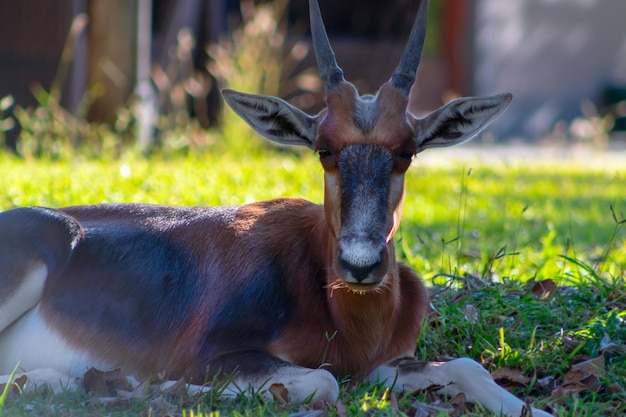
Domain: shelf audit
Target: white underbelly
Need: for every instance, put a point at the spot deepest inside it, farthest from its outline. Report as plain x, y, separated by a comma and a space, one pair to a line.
32, 344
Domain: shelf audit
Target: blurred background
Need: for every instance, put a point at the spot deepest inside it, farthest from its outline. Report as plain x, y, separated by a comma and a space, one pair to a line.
143, 67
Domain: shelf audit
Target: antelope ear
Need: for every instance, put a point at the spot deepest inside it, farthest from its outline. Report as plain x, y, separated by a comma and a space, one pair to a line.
458, 120
273, 118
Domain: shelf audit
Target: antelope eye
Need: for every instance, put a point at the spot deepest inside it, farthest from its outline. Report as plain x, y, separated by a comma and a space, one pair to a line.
406, 155
324, 153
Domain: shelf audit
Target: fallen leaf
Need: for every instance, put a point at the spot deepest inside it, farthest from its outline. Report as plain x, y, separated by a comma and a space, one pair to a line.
615, 388
280, 393
573, 376
507, 377
595, 366
606, 344
105, 383
458, 404
177, 389
564, 391
583, 376
94, 381
543, 289
20, 382
143, 390
17, 385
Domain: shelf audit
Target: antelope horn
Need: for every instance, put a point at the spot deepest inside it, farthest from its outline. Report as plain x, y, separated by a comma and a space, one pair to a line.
404, 76
329, 71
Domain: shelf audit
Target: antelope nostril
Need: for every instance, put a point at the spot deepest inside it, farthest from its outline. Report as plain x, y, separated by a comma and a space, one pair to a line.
360, 272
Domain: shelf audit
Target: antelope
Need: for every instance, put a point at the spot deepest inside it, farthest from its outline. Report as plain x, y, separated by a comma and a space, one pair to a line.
253, 291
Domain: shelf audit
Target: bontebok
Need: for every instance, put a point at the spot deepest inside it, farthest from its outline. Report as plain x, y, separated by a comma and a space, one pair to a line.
253, 291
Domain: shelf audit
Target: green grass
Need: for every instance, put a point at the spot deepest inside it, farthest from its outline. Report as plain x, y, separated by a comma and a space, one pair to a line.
480, 235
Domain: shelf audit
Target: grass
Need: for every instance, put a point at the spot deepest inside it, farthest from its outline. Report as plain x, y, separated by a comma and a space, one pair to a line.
481, 236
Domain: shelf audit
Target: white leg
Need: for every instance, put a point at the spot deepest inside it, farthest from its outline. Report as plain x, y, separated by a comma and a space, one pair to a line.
299, 384
458, 376
270, 375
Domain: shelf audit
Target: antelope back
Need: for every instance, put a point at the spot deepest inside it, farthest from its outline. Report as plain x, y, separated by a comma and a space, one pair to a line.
365, 144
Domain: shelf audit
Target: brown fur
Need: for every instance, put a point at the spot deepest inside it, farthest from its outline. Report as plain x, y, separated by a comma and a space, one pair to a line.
366, 329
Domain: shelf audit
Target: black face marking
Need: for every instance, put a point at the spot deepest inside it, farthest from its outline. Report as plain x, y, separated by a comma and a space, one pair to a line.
365, 174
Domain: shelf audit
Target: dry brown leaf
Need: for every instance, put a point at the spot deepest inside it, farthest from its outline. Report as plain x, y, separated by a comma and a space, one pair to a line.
19, 382
543, 289
142, 390
17, 385
178, 389
573, 377
117, 380
607, 345
94, 381
615, 388
595, 366
567, 390
280, 393
105, 383
508, 377
583, 376
458, 404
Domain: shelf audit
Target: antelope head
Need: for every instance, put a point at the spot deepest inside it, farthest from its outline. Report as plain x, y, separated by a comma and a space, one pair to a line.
365, 144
